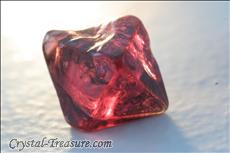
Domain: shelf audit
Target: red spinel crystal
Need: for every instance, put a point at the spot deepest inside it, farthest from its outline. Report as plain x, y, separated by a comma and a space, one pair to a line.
105, 75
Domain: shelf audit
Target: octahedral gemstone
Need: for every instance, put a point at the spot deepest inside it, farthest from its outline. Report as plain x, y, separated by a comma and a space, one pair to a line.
105, 75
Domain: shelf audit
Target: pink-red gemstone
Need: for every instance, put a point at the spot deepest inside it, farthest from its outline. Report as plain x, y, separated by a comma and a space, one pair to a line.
105, 75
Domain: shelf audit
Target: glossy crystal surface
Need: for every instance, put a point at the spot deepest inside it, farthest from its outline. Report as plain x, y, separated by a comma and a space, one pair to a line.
105, 75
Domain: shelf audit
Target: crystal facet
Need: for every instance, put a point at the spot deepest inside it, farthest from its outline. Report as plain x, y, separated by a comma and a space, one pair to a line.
105, 75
